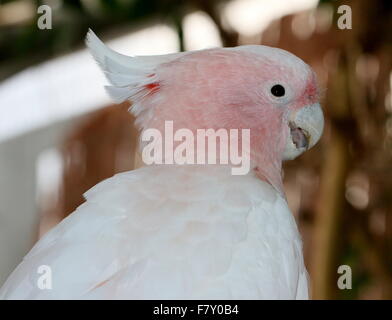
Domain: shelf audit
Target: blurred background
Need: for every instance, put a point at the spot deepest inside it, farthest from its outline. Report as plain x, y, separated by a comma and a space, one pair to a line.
60, 134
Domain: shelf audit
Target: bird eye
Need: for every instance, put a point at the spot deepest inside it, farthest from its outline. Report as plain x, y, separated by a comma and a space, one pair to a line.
278, 90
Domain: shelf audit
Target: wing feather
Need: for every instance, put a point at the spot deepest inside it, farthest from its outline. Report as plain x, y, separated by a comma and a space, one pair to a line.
168, 232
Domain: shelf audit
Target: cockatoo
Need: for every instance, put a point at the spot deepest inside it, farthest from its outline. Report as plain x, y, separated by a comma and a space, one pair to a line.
183, 231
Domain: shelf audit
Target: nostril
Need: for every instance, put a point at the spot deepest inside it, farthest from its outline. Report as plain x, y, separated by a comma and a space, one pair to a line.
312, 97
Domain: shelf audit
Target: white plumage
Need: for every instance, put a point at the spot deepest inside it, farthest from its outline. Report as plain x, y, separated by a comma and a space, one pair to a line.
170, 232
127, 74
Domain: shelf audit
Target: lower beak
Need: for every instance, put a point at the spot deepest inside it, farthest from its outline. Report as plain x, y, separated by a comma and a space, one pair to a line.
306, 126
299, 136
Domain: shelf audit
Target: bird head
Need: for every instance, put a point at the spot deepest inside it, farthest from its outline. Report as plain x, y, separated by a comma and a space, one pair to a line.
267, 90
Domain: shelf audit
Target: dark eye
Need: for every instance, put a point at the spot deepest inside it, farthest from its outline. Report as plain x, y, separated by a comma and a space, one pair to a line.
278, 90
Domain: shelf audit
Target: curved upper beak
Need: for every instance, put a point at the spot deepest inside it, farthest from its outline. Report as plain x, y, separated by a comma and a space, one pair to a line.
306, 127
311, 120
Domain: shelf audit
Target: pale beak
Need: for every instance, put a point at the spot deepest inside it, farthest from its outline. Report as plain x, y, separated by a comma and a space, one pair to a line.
305, 128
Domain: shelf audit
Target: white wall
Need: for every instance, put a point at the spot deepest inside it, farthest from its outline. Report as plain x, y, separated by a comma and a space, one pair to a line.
18, 207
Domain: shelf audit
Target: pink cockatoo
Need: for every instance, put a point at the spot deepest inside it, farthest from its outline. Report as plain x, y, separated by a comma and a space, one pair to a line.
190, 231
